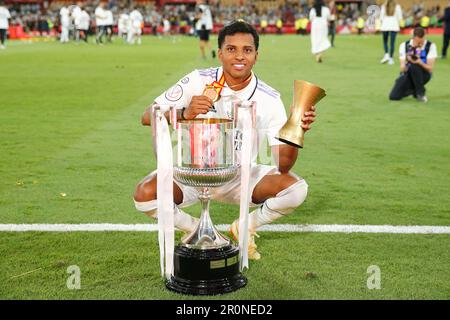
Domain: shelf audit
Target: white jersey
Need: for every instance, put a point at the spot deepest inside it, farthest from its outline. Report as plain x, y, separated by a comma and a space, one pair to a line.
205, 19
100, 16
432, 54
76, 12
136, 19
270, 112
123, 22
166, 26
4, 16
109, 18
65, 16
84, 20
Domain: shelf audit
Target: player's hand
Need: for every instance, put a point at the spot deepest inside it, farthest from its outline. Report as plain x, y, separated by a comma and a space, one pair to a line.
198, 105
413, 61
308, 118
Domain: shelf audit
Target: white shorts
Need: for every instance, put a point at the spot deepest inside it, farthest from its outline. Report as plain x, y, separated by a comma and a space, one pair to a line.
229, 193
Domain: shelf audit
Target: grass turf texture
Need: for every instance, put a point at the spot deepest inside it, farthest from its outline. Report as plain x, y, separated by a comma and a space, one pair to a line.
69, 124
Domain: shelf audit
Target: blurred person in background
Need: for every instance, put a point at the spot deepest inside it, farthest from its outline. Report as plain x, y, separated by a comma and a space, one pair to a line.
122, 25
109, 23
360, 23
85, 21
319, 16
65, 23
332, 25
75, 17
204, 26
446, 21
136, 21
4, 25
390, 16
100, 17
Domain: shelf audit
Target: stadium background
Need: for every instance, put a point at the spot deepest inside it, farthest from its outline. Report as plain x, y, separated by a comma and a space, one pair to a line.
72, 150
41, 18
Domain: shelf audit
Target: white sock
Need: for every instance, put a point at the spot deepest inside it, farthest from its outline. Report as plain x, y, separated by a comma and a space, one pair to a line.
182, 220
284, 203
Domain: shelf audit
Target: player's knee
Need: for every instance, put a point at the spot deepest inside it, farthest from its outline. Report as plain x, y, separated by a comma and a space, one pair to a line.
290, 198
394, 96
297, 193
294, 193
145, 191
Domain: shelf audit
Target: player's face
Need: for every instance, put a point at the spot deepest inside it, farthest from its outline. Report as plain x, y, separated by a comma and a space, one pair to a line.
238, 55
418, 42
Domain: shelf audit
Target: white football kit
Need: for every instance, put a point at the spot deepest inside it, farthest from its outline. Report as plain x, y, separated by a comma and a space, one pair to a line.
270, 117
65, 24
4, 16
122, 24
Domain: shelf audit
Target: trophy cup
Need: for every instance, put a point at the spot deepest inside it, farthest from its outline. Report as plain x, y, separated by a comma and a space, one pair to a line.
306, 95
205, 262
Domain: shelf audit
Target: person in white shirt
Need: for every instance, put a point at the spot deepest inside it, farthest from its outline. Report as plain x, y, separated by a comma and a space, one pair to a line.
136, 20
122, 25
390, 17
109, 24
204, 26
4, 25
85, 20
100, 18
75, 15
319, 17
166, 26
65, 24
417, 58
276, 191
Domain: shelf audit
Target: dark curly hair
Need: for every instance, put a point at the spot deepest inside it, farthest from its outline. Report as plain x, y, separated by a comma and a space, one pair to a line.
238, 26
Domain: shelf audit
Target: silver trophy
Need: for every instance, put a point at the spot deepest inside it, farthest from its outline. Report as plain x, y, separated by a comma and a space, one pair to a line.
205, 159
205, 262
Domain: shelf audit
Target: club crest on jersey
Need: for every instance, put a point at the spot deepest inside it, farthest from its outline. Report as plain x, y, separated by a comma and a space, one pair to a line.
174, 93
185, 80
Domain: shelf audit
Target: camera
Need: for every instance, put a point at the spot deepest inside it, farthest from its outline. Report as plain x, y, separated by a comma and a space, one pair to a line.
412, 53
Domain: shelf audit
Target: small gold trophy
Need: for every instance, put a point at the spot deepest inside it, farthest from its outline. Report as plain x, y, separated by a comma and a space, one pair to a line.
306, 95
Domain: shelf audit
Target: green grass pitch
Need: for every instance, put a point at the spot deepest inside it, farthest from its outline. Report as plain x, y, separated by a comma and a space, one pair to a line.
70, 125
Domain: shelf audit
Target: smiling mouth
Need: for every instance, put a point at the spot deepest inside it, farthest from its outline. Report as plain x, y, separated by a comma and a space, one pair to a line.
239, 66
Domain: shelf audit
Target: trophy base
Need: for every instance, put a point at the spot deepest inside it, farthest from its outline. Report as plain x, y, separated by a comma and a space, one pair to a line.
206, 271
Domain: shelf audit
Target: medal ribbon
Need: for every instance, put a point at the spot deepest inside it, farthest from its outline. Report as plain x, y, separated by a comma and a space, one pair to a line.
164, 189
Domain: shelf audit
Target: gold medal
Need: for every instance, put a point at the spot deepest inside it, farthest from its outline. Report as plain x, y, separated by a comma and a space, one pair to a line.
211, 93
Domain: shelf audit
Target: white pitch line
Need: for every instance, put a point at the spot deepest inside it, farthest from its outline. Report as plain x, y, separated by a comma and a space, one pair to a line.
339, 228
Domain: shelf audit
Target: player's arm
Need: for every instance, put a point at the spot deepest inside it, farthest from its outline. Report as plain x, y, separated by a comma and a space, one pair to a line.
403, 67
286, 155
426, 66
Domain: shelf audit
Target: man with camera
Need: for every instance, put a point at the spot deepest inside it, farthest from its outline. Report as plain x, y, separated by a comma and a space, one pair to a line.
417, 57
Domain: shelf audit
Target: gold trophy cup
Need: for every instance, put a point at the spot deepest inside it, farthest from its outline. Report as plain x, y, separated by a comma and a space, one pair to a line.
306, 95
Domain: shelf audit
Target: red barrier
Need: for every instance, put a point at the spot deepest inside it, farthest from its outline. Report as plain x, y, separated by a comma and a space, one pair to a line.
16, 32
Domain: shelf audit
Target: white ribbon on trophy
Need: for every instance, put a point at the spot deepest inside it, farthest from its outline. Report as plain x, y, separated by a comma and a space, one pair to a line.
245, 113
165, 205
